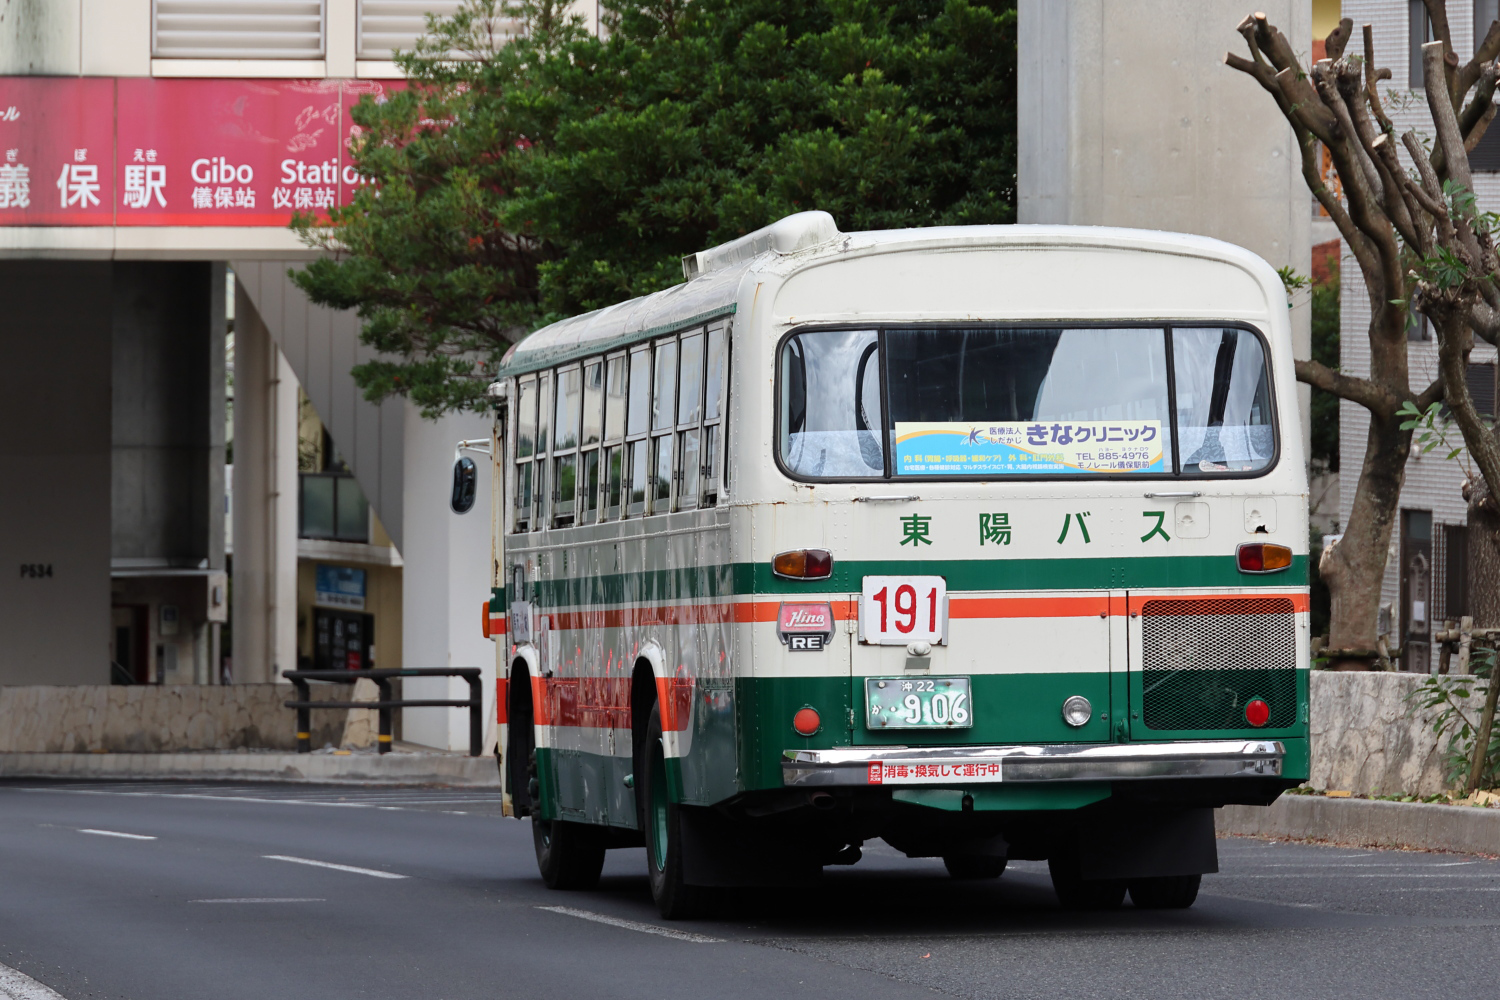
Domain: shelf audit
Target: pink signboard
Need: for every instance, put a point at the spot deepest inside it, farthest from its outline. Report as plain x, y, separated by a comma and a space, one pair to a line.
169, 152
57, 151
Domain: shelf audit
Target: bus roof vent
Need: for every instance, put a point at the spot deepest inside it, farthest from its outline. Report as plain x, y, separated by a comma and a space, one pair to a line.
793, 233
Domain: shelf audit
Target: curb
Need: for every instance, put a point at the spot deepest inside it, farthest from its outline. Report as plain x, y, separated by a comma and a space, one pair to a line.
364, 769
1367, 823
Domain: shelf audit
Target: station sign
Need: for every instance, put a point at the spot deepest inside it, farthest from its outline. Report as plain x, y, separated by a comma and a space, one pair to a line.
100, 151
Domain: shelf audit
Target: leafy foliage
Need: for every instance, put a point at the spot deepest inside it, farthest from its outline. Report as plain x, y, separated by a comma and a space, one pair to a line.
1445, 696
565, 171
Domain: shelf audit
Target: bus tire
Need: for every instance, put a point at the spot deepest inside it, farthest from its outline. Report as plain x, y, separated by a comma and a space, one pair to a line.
1165, 892
662, 826
569, 855
1077, 893
973, 866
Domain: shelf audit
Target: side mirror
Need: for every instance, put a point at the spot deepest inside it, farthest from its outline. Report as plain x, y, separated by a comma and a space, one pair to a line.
465, 484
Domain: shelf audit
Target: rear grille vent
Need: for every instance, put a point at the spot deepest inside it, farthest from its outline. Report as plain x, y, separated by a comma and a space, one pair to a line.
1204, 659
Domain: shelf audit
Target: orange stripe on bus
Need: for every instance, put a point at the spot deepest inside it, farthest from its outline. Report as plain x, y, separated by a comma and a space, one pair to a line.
757, 612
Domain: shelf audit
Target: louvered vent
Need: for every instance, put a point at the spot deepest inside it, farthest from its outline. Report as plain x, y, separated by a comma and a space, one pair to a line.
1204, 659
237, 29
388, 25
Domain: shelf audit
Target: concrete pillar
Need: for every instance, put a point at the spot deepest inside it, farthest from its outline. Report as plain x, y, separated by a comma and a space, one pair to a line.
1128, 116
265, 502
54, 472
446, 577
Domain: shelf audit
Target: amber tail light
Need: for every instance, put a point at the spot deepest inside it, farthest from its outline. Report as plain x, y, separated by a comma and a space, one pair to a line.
1262, 557
803, 564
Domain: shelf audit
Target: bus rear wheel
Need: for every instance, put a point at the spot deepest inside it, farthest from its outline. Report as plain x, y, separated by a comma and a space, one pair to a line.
569, 855
662, 825
1165, 892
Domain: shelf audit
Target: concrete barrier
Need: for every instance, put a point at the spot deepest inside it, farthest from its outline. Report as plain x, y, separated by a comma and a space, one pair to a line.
168, 718
1367, 823
326, 768
1364, 739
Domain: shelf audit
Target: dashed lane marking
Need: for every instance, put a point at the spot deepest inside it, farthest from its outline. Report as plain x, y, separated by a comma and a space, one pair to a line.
283, 899
633, 925
330, 864
117, 833
19, 986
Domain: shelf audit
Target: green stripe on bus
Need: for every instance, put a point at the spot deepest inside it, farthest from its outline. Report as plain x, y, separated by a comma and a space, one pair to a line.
1113, 573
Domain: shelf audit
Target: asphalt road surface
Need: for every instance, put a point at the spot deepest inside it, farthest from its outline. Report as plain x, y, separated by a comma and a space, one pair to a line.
161, 892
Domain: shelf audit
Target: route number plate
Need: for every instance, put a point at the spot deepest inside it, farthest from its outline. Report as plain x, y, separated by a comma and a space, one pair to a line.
917, 703
897, 610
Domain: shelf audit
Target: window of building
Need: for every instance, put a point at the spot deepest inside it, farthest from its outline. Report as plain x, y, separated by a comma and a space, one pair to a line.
238, 29
1418, 33
388, 26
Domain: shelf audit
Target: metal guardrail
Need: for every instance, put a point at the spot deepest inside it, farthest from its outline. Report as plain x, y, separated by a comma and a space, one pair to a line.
382, 678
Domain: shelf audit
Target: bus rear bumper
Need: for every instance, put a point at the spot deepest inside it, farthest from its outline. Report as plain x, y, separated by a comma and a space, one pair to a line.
952, 766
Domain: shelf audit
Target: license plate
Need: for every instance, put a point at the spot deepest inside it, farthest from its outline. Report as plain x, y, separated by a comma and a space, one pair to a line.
917, 703
899, 610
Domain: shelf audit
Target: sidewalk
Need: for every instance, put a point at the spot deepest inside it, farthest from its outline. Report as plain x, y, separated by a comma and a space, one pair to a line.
406, 765
1367, 823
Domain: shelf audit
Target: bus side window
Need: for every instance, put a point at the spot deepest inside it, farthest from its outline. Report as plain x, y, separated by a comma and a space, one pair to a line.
525, 452
544, 422
637, 426
663, 410
715, 379
565, 431
689, 420
588, 463
615, 399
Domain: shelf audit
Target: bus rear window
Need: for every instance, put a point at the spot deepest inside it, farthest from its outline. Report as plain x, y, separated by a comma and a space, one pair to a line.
1001, 402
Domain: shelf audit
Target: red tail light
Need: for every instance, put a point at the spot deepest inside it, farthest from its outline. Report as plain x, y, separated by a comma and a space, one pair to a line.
1257, 713
485, 620
806, 721
804, 564
1262, 557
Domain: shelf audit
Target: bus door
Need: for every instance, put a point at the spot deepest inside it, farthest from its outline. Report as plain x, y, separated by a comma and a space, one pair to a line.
930, 666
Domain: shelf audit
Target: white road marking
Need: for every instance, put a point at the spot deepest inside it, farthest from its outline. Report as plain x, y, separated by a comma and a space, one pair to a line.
374, 804
288, 899
633, 925
19, 986
117, 833
330, 864
1364, 875
1372, 864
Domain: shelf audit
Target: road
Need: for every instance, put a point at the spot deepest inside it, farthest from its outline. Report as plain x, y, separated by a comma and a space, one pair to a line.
223, 903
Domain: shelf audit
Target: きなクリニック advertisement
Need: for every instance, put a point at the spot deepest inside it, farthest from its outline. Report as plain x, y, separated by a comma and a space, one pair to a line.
1028, 447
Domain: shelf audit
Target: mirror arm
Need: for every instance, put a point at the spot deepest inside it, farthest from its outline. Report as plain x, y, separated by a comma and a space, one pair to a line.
479, 446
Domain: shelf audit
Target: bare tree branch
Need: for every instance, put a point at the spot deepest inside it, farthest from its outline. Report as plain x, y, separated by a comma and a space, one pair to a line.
1357, 390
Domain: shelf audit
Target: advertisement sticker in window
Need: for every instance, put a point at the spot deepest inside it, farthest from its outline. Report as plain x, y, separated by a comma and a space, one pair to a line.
1028, 446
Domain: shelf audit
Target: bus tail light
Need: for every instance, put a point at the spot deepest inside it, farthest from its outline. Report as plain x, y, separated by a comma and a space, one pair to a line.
1262, 557
1257, 712
803, 564
807, 722
485, 619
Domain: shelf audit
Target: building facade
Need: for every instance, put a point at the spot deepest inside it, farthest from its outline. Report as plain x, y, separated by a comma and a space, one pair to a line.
151, 155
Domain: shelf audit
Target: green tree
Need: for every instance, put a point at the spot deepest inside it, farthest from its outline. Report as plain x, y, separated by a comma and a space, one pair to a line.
564, 171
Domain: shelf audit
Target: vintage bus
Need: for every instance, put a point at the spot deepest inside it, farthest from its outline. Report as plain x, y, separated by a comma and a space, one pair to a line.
989, 541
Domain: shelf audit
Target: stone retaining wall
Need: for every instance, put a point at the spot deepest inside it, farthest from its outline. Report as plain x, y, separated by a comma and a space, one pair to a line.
1364, 739
157, 719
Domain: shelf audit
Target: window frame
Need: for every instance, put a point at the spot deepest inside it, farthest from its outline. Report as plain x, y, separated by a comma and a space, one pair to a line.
548, 511
712, 444
1166, 327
